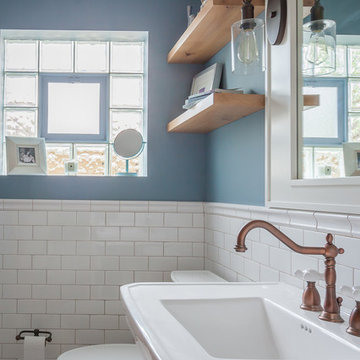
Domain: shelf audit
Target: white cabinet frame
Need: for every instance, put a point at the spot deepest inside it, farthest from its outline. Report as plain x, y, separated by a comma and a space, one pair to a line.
283, 189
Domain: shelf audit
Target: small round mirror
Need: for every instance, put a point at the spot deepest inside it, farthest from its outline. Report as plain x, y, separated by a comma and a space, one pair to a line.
128, 143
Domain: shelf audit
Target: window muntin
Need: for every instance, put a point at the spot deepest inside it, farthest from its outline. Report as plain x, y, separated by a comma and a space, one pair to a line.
58, 54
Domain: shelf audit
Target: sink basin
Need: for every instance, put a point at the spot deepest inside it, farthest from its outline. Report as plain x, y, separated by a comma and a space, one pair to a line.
225, 328
232, 321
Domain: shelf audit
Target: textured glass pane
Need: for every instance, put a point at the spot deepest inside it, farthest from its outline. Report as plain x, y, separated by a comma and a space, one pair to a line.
354, 95
341, 70
74, 108
57, 154
20, 122
121, 120
354, 61
307, 163
118, 165
127, 57
329, 162
322, 121
56, 56
92, 159
21, 90
92, 56
126, 91
354, 128
21, 55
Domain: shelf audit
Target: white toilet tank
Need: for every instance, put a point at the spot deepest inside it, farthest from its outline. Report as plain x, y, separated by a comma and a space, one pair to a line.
195, 276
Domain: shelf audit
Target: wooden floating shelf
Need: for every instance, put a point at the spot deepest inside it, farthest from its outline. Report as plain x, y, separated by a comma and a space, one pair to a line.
210, 30
220, 109
215, 111
311, 101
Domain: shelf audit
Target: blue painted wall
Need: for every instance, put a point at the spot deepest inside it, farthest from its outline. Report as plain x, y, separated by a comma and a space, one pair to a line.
346, 14
176, 162
235, 163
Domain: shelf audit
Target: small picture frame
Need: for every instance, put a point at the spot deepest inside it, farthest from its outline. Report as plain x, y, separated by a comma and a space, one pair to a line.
25, 156
352, 159
207, 80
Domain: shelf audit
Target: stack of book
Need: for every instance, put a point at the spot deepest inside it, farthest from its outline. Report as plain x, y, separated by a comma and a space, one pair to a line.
192, 100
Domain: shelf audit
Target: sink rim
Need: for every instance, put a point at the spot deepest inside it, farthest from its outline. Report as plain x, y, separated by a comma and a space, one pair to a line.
163, 339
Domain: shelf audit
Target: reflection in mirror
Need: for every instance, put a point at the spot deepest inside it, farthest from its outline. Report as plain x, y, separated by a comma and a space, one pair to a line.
329, 95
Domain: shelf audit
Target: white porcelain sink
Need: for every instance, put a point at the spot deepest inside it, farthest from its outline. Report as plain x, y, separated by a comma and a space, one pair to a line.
232, 321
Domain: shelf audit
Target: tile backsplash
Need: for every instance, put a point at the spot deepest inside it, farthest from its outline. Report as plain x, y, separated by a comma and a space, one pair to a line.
61, 262
267, 259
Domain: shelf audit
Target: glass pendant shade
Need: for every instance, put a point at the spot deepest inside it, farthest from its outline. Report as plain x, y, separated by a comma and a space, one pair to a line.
247, 46
319, 47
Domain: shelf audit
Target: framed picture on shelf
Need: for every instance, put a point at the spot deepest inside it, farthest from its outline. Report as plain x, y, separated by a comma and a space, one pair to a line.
25, 156
352, 159
207, 80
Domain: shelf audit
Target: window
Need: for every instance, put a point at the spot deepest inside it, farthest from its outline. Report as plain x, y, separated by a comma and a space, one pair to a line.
330, 115
73, 107
339, 119
77, 90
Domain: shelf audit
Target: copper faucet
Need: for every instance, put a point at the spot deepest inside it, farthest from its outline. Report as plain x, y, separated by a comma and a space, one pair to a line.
311, 298
332, 304
354, 321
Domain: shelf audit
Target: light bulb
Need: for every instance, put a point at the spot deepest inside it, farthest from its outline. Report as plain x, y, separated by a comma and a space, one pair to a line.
317, 51
248, 52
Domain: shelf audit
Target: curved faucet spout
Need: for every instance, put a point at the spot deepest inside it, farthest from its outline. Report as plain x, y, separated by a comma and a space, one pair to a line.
240, 246
329, 251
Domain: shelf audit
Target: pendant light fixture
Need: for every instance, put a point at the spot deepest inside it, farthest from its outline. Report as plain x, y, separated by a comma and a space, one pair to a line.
319, 43
247, 42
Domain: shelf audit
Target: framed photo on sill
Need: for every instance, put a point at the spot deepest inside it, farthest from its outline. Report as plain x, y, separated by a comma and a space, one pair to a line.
25, 156
352, 159
207, 80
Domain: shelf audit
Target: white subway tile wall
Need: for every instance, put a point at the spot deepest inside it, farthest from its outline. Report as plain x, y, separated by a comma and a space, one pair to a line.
267, 259
62, 264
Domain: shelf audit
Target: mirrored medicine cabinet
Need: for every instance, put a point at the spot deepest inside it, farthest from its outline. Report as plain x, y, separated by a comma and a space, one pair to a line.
329, 74
313, 111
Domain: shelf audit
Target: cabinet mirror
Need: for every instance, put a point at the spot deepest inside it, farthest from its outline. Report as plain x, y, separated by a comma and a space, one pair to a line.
329, 90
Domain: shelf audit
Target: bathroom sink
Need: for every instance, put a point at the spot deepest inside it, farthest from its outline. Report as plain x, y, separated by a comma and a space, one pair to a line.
232, 321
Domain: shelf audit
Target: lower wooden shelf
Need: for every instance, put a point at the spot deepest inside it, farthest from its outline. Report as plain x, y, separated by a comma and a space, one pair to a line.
215, 111
311, 101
